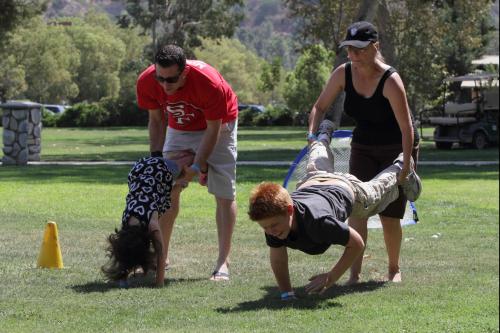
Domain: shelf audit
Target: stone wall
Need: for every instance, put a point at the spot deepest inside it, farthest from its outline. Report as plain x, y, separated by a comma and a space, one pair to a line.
22, 127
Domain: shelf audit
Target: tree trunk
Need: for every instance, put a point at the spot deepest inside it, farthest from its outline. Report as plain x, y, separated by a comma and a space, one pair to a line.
366, 12
385, 33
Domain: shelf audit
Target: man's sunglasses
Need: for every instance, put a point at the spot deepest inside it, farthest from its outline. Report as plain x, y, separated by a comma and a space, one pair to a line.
171, 79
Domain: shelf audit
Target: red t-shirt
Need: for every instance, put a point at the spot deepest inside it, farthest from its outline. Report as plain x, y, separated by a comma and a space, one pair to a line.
204, 96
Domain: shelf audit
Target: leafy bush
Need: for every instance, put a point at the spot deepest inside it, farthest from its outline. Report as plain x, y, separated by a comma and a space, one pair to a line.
275, 115
263, 119
49, 119
246, 117
280, 115
124, 112
84, 115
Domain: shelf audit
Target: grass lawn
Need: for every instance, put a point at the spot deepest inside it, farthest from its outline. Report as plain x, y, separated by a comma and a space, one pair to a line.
254, 144
449, 260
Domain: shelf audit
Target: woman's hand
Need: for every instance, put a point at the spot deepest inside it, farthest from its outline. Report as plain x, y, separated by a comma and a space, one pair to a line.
403, 174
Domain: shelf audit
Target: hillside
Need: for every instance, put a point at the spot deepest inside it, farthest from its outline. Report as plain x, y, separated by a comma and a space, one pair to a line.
266, 29
58, 8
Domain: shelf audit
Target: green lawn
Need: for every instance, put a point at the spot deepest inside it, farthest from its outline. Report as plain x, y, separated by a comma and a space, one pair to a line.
254, 144
450, 282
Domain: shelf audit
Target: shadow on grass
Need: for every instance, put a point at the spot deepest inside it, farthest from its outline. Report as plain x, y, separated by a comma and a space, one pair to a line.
100, 174
276, 136
113, 174
271, 301
429, 153
283, 154
120, 140
92, 157
133, 283
117, 174
452, 172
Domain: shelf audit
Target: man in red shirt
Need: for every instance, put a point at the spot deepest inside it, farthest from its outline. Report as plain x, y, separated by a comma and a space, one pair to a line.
201, 112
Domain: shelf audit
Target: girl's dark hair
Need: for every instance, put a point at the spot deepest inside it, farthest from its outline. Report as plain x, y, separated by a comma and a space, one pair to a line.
170, 55
128, 248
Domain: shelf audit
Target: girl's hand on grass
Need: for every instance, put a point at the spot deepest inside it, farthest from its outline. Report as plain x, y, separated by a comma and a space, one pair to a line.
203, 178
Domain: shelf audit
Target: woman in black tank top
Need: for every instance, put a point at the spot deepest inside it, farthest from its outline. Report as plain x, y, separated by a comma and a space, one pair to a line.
376, 99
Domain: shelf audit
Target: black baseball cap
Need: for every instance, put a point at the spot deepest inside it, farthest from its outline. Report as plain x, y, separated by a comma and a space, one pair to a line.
360, 34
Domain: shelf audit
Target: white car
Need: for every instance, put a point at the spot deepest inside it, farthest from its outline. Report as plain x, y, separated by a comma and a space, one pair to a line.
55, 108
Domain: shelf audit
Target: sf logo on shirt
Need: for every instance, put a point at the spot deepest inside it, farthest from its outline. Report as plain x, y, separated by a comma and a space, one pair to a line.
183, 113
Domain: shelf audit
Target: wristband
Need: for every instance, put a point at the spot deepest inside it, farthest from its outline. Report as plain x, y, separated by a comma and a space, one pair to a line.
156, 153
195, 167
311, 136
287, 295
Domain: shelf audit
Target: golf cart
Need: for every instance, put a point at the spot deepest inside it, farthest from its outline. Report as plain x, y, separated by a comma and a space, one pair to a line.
469, 115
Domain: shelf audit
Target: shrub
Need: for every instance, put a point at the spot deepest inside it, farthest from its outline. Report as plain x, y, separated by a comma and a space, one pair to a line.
263, 119
280, 115
246, 117
124, 112
84, 115
49, 119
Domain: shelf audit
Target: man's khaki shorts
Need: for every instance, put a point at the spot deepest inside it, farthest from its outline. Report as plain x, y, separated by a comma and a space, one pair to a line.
222, 161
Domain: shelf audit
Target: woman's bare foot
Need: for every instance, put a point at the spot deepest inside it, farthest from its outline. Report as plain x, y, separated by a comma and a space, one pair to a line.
394, 277
352, 281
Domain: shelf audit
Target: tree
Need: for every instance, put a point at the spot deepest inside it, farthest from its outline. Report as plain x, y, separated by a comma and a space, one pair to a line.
13, 12
269, 43
134, 61
49, 60
270, 78
186, 22
101, 57
425, 51
424, 40
236, 64
305, 83
334, 17
322, 21
12, 76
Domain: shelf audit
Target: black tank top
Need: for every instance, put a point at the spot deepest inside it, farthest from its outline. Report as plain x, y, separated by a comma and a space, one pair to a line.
375, 120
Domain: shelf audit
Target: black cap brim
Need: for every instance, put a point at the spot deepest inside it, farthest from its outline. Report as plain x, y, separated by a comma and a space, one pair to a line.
355, 43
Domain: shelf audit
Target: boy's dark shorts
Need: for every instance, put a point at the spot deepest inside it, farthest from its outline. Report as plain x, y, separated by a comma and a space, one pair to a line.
367, 161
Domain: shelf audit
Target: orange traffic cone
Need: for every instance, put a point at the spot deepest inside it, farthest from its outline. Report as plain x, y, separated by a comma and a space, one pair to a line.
50, 253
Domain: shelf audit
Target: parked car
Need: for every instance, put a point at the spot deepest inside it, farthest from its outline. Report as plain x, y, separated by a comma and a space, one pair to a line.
55, 108
254, 107
469, 115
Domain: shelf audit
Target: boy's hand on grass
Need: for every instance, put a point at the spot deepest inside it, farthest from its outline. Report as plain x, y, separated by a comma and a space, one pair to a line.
319, 283
288, 296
